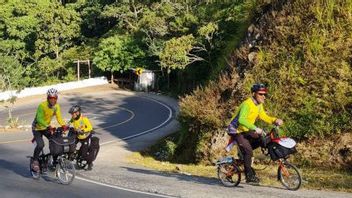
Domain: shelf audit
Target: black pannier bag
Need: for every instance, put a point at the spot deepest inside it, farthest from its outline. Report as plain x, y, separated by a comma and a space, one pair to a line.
278, 151
59, 145
93, 148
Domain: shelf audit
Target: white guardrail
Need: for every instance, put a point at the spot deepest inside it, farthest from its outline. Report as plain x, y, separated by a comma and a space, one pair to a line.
60, 87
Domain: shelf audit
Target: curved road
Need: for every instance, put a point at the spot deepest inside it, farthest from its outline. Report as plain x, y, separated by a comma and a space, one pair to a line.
114, 116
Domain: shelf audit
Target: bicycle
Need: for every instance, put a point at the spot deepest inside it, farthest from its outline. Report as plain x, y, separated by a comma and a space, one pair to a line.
64, 169
229, 169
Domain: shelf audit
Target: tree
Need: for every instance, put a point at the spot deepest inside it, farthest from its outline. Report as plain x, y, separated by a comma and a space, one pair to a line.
154, 28
57, 29
17, 28
117, 53
207, 31
127, 14
11, 78
179, 52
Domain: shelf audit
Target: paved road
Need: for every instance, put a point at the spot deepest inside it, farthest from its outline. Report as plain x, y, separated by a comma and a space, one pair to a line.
114, 116
118, 118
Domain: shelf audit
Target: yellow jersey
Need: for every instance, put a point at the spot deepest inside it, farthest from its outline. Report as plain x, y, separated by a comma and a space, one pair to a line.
82, 124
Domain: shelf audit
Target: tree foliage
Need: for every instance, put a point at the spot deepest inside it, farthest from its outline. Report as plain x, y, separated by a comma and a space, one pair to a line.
11, 73
44, 35
58, 28
117, 53
177, 53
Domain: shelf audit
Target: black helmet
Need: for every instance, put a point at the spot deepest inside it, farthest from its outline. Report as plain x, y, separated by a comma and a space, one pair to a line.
74, 108
259, 87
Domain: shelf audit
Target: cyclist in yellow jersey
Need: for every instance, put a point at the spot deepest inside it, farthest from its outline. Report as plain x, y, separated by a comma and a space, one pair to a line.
244, 131
42, 123
83, 127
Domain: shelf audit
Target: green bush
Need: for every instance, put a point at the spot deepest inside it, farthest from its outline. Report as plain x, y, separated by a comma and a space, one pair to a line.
305, 57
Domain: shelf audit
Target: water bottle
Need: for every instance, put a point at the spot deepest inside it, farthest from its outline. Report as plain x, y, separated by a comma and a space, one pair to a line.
228, 159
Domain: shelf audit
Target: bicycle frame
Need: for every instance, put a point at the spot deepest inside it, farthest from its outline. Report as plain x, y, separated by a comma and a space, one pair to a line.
229, 169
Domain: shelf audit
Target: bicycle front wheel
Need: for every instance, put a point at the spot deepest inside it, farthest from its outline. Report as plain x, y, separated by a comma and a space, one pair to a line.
65, 171
289, 176
229, 174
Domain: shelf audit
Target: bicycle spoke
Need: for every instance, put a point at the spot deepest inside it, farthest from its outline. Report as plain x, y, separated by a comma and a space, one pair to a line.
289, 176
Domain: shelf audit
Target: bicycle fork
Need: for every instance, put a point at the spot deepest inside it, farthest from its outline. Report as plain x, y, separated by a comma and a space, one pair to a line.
283, 169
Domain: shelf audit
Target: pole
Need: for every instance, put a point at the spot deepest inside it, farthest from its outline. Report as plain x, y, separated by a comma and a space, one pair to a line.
78, 69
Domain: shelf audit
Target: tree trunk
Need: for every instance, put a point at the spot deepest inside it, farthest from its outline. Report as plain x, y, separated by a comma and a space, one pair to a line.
179, 81
112, 77
57, 53
168, 79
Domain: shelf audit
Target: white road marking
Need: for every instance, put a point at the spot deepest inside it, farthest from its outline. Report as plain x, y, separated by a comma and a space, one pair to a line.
130, 118
146, 131
122, 188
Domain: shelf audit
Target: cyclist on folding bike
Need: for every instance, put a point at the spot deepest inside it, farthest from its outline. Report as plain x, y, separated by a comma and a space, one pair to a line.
243, 130
41, 124
89, 145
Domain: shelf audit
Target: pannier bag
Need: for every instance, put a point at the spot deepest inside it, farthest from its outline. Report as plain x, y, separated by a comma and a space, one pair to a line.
93, 148
278, 151
59, 145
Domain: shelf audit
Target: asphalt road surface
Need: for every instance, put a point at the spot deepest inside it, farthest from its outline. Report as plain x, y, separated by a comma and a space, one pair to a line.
114, 116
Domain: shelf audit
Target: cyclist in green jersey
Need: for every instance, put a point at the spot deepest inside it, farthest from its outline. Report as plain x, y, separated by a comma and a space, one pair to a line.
244, 131
41, 124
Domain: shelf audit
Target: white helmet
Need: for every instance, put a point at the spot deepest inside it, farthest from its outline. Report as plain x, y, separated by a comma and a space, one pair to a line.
52, 93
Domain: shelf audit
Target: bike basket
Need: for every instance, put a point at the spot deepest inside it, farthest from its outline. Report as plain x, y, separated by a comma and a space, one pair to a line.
277, 151
59, 145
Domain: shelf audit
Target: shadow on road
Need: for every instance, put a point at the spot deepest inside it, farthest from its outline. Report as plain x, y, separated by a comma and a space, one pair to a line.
21, 170
195, 179
178, 176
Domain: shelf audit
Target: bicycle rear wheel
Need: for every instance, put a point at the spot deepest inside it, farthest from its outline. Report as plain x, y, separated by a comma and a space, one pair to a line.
289, 176
81, 163
229, 174
65, 171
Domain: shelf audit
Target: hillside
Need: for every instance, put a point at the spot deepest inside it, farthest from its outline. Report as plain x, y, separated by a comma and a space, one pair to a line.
303, 51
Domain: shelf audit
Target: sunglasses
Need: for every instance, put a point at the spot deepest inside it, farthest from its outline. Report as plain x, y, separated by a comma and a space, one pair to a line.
262, 94
51, 98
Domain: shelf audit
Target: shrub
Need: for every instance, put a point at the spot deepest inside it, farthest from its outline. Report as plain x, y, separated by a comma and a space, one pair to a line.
303, 53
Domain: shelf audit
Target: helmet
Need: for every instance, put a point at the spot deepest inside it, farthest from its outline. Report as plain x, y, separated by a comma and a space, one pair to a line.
259, 87
74, 108
52, 93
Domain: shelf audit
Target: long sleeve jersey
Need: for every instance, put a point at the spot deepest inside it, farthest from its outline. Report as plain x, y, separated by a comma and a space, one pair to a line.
45, 114
248, 113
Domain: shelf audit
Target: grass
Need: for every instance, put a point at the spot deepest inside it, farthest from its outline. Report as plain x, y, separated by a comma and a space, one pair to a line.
164, 166
313, 178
